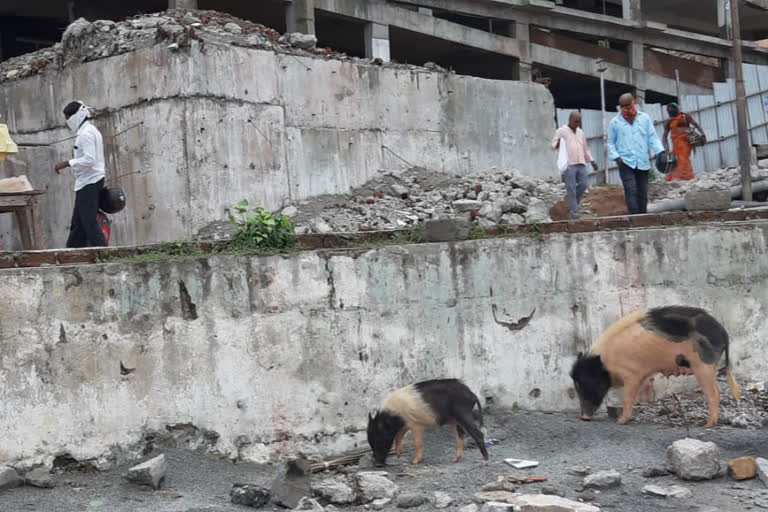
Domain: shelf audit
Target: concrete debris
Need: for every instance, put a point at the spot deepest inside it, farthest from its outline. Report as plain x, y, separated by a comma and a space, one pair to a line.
39, 477
249, 495
442, 499
762, 470
380, 503
299, 40
549, 503
446, 230
521, 463
660, 190
372, 485
9, 478
411, 500
505, 496
691, 459
291, 483
655, 472
742, 468
309, 504
233, 28
469, 508
494, 506
151, 472
548, 489
707, 194
603, 479
588, 495
502, 484
579, 469
334, 490
674, 491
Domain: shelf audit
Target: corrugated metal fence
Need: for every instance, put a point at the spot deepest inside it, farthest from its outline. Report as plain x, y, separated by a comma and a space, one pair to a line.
715, 113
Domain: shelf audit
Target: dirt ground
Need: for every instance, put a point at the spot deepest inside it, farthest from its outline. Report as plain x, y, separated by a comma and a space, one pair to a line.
604, 201
199, 483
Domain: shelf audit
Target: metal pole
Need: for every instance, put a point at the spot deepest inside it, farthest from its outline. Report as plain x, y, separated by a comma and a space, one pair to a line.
601, 68
677, 86
745, 155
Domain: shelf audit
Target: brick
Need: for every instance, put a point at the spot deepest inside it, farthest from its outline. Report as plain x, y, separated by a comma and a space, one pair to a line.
7, 261
734, 215
116, 252
77, 256
35, 259
611, 223
310, 241
760, 213
742, 468
554, 227
582, 226
704, 216
645, 220
673, 218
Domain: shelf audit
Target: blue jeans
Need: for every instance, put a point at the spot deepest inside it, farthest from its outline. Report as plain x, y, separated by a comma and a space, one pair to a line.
635, 183
575, 178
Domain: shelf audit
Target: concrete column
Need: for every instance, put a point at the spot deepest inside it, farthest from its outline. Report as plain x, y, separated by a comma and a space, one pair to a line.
636, 56
182, 4
524, 73
728, 67
640, 96
522, 33
377, 41
632, 9
300, 16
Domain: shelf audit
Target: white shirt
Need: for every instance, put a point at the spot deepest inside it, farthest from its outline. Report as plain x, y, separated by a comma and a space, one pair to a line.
88, 163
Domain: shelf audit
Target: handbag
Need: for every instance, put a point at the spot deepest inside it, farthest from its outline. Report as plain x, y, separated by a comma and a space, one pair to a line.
562, 157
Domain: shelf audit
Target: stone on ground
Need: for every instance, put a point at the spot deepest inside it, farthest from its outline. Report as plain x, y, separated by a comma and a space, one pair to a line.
742, 468
674, 491
249, 495
151, 472
496, 496
443, 499
9, 478
550, 503
691, 459
334, 490
411, 500
373, 485
380, 503
762, 470
306, 503
291, 483
469, 508
39, 477
495, 506
603, 479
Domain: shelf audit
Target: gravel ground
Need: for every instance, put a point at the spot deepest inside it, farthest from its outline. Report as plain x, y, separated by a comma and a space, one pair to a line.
199, 483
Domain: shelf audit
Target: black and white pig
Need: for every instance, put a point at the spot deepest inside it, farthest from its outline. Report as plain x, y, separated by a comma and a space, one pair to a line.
423, 406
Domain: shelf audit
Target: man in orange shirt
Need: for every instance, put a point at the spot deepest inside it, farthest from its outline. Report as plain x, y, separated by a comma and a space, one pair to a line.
575, 176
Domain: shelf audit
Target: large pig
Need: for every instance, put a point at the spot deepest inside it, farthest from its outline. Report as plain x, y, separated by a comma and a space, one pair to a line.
423, 406
672, 340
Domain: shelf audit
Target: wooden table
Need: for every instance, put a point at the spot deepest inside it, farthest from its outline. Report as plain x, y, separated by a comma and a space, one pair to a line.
26, 206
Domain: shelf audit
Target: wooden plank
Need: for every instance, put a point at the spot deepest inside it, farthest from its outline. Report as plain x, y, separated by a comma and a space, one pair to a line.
36, 223
21, 220
14, 201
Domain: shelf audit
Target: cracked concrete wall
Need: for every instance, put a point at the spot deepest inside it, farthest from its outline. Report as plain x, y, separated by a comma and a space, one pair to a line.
271, 355
225, 123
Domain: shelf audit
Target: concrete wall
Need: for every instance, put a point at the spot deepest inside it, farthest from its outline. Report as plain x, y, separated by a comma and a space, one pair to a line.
291, 351
231, 123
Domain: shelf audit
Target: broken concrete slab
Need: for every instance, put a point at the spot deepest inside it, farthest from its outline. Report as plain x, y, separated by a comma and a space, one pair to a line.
446, 230
674, 491
762, 470
496, 506
151, 472
9, 478
691, 459
411, 500
708, 195
442, 499
550, 503
291, 483
334, 490
372, 485
603, 479
249, 495
467, 205
498, 496
310, 504
742, 468
39, 477
380, 503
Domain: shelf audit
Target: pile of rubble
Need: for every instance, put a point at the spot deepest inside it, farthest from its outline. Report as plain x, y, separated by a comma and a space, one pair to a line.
730, 176
84, 41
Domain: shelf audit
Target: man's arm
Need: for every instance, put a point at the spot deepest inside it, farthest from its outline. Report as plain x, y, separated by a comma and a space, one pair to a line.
556, 140
587, 155
613, 154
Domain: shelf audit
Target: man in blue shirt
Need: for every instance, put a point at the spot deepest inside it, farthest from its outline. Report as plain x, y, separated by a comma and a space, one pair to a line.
631, 137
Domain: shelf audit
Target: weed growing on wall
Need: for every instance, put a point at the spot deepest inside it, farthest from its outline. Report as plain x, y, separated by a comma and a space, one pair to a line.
259, 229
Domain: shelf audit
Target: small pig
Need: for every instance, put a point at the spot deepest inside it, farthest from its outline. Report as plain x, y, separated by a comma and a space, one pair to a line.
672, 340
423, 406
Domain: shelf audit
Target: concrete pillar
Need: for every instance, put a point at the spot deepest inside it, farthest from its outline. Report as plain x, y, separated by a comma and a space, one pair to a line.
300, 16
728, 68
636, 55
524, 73
182, 4
522, 33
724, 19
377, 41
632, 9
640, 96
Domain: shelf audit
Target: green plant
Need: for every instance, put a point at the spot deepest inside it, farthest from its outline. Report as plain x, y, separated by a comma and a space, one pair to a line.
259, 229
477, 233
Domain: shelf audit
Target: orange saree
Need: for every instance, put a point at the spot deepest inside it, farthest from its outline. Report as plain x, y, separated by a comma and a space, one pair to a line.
678, 127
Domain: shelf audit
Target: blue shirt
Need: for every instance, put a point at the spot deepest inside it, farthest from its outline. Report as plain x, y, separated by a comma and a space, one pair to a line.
633, 142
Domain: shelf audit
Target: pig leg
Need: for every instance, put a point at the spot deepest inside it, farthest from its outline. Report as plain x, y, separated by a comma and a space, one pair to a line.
418, 446
631, 387
467, 423
399, 441
707, 378
459, 442
646, 390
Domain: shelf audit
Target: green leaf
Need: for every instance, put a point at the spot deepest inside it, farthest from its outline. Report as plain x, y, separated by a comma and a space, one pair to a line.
243, 203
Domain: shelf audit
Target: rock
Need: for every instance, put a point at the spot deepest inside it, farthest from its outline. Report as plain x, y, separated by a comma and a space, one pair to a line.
76, 31
365, 462
410, 500
303, 41
380, 503
400, 191
149, 22
549, 503
553, 491
674, 491
691, 459
579, 469
290, 211
708, 195
320, 226
233, 28
524, 182
587, 495
189, 19
469, 508
762, 470
9, 478
434, 67
249, 495
512, 218
537, 211
466, 205
334, 490
306, 503
12, 73
39, 477
442, 499
655, 472
104, 25
603, 479
742, 468
291, 483
500, 485
493, 506
372, 485
677, 491
654, 490
512, 205
151, 472
497, 496
446, 230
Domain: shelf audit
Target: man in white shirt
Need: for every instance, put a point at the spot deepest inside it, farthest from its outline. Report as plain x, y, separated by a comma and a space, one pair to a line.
575, 176
88, 168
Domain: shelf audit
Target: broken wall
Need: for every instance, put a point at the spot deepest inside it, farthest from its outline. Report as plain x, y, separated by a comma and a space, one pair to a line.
271, 355
222, 123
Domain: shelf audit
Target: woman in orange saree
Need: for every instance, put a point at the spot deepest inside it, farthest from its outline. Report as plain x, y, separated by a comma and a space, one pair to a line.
678, 125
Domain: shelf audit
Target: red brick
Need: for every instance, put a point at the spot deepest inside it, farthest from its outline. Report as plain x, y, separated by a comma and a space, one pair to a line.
611, 223
673, 218
77, 256
645, 220
734, 215
760, 214
7, 261
35, 259
704, 216
582, 226
117, 252
311, 241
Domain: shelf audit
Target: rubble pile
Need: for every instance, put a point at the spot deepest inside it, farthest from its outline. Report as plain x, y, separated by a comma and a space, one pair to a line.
731, 176
84, 41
